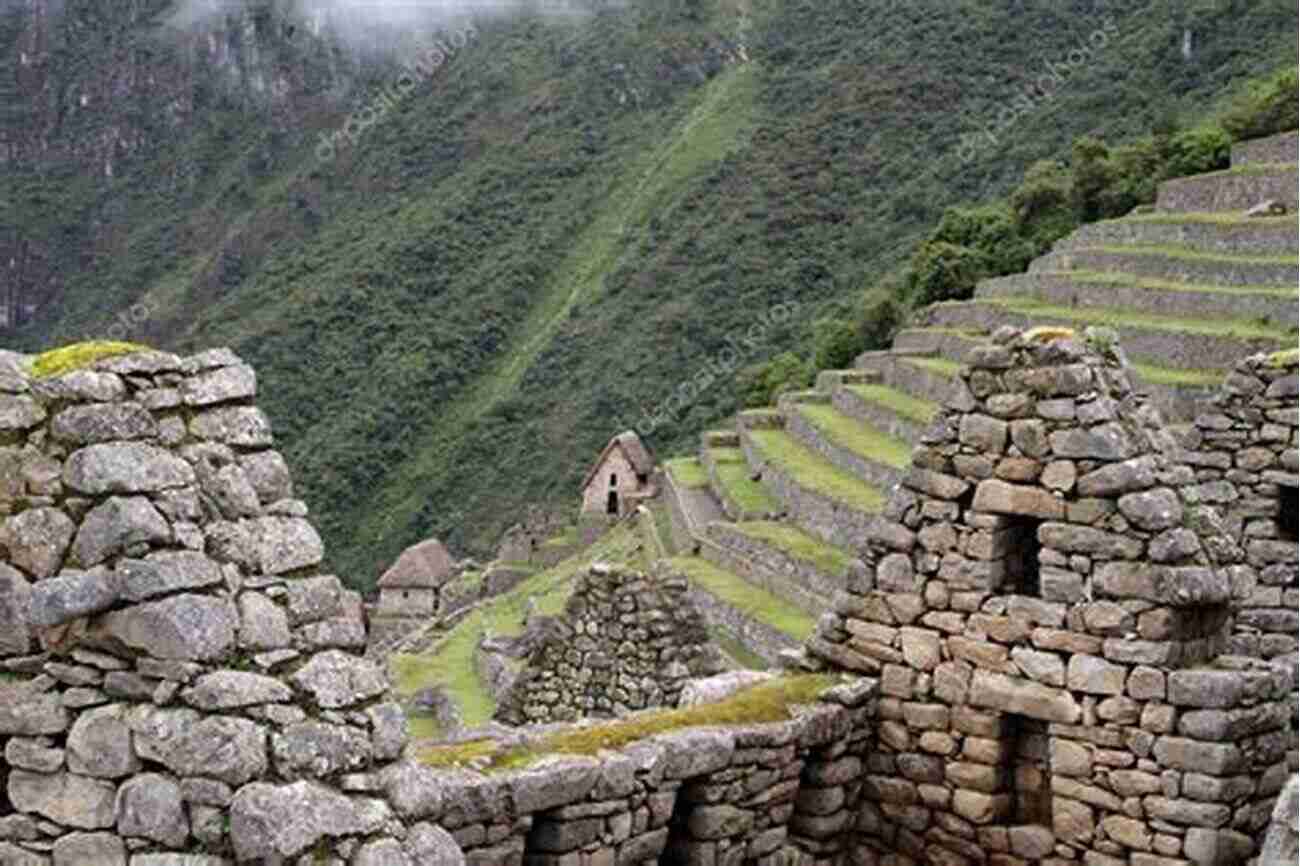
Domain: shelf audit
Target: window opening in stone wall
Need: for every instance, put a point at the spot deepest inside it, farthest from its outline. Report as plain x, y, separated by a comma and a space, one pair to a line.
1031, 777
1022, 558
613, 480
1288, 514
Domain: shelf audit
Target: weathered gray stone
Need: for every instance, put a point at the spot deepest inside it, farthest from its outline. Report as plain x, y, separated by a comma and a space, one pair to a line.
167, 571
1069, 538
19, 413
1173, 546
1282, 842
1103, 442
263, 624
100, 744
37, 540
1206, 688
284, 544
430, 845
12, 855
1152, 510
1000, 497
1024, 697
89, 849
186, 627
319, 749
244, 426
15, 594
33, 715
104, 422
414, 790
1095, 676
335, 679
149, 806
381, 852
72, 595
269, 475
696, 752
230, 749
65, 798
314, 598
35, 754
236, 382
1172, 585
228, 690
125, 467
387, 730
269, 821
708, 690
117, 524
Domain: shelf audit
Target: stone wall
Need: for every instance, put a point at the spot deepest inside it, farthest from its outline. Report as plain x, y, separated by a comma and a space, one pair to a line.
187, 680
626, 641
1047, 609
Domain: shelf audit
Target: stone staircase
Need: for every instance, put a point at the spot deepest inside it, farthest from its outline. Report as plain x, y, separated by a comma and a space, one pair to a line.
783, 503
1190, 286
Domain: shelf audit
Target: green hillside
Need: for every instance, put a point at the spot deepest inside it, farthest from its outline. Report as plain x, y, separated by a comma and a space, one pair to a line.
536, 247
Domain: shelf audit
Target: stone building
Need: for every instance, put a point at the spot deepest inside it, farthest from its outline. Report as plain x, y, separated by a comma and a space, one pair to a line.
626, 641
410, 587
1048, 607
621, 478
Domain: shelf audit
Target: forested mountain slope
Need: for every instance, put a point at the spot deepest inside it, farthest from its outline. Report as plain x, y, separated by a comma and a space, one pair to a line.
541, 240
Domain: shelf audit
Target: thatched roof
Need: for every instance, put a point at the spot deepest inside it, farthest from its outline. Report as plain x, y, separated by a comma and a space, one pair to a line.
426, 565
633, 449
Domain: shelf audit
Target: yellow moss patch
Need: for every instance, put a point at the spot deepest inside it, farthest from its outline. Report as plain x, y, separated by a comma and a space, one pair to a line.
1288, 358
1048, 333
766, 702
77, 356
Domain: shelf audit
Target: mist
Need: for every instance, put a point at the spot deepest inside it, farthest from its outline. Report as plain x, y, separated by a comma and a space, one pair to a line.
375, 24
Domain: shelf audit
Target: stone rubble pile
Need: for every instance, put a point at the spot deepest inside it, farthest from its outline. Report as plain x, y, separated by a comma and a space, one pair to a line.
626, 641
1048, 608
189, 686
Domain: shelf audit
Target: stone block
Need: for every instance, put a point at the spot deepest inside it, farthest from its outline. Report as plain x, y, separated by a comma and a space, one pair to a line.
1024, 697
1000, 497
1095, 676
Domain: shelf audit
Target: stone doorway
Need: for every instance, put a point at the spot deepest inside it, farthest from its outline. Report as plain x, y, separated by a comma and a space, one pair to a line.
1031, 774
1288, 514
611, 508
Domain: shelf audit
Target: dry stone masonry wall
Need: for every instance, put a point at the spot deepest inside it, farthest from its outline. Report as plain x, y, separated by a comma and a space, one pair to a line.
1048, 610
187, 681
626, 641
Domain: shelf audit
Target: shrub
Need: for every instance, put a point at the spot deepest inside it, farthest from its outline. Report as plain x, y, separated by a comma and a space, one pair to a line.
1042, 205
1090, 171
1198, 150
1266, 107
760, 384
879, 320
943, 271
836, 342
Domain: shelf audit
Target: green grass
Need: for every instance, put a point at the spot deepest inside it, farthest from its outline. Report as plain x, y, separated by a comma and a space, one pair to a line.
752, 601
423, 727
857, 436
939, 366
1286, 358
1230, 218
826, 558
567, 537
733, 474
77, 356
1112, 279
687, 472
899, 402
1113, 317
450, 663
1169, 376
813, 471
1177, 252
770, 701
663, 524
736, 650
1260, 168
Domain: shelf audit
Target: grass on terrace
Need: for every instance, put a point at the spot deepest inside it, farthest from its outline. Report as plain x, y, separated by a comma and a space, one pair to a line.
1177, 252
1111, 279
734, 477
938, 366
1227, 218
826, 558
813, 471
733, 648
766, 702
450, 663
752, 601
687, 472
1222, 327
899, 402
857, 436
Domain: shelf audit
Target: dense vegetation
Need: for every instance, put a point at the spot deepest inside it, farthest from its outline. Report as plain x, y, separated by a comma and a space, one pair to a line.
544, 241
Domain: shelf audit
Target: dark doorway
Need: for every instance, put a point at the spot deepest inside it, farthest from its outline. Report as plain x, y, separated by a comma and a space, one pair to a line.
612, 507
1023, 548
1288, 513
1031, 775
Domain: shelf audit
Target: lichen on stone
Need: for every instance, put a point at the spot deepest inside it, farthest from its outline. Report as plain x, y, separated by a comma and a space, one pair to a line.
1047, 333
1285, 358
78, 356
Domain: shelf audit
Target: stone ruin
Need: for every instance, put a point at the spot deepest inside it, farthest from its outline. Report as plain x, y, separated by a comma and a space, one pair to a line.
1049, 611
625, 642
195, 685
1066, 609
